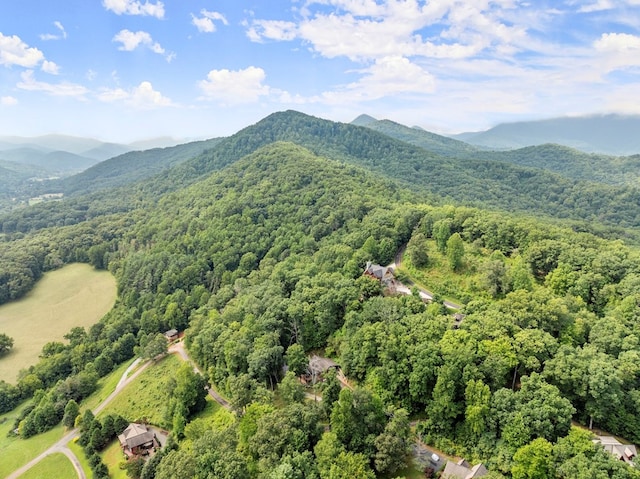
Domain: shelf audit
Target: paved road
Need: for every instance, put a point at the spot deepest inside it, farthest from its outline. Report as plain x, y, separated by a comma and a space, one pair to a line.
61, 444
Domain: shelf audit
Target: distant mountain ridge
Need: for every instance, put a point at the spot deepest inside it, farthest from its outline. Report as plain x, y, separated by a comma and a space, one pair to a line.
442, 145
606, 134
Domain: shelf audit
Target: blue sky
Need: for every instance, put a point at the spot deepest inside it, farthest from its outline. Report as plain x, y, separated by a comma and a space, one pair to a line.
123, 70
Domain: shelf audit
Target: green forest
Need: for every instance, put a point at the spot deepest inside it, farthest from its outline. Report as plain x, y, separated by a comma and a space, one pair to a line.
256, 248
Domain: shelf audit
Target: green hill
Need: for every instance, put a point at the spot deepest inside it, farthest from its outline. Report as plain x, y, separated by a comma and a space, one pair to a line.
131, 167
473, 181
432, 142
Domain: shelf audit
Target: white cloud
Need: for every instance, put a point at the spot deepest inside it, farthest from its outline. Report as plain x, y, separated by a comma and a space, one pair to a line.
235, 86
50, 36
29, 83
142, 97
204, 23
389, 76
617, 42
133, 7
131, 40
365, 30
13, 51
272, 30
50, 67
8, 101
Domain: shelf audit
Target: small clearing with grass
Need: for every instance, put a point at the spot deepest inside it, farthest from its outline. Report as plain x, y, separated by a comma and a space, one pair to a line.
145, 399
76, 295
56, 465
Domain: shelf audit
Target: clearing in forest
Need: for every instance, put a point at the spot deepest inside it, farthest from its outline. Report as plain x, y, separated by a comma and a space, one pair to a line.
76, 295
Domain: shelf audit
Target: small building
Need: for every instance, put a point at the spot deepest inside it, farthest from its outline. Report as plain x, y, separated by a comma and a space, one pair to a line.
384, 274
136, 439
171, 335
463, 470
622, 452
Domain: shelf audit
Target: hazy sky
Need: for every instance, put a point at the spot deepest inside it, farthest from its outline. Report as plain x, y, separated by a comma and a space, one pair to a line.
127, 69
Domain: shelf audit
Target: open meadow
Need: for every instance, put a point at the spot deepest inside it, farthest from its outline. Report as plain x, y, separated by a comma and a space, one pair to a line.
76, 295
56, 465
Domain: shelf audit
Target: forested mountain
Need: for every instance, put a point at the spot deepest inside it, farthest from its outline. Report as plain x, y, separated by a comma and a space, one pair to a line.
476, 182
262, 261
607, 134
432, 142
131, 167
572, 163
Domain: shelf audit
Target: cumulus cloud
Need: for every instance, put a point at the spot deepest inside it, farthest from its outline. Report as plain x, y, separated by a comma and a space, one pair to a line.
50, 67
8, 101
205, 22
13, 51
389, 76
142, 97
617, 42
235, 86
61, 35
131, 40
133, 7
67, 89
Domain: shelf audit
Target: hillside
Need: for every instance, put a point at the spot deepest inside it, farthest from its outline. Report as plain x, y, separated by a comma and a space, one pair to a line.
260, 263
470, 181
432, 142
572, 163
606, 134
131, 167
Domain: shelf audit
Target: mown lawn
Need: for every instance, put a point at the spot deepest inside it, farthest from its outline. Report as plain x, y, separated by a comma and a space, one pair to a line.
16, 452
112, 456
145, 399
76, 295
54, 466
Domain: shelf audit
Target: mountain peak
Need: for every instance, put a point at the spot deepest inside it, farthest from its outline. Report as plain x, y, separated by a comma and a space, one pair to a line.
363, 120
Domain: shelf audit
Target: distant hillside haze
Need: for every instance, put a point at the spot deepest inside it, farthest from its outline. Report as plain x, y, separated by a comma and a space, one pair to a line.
64, 155
607, 134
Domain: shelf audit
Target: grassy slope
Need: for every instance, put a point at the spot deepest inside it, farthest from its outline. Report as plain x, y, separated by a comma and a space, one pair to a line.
76, 295
145, 398
17, 452
56, 465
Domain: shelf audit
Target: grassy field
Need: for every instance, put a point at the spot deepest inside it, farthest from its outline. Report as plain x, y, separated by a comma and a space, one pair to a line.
56, 465
146, 397
112, 456
17, 452
106, 386
76, 295
458, 287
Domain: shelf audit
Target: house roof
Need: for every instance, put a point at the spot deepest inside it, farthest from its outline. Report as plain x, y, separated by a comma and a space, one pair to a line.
171, 332
135, 435
461, 470
623, 452
380, 272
